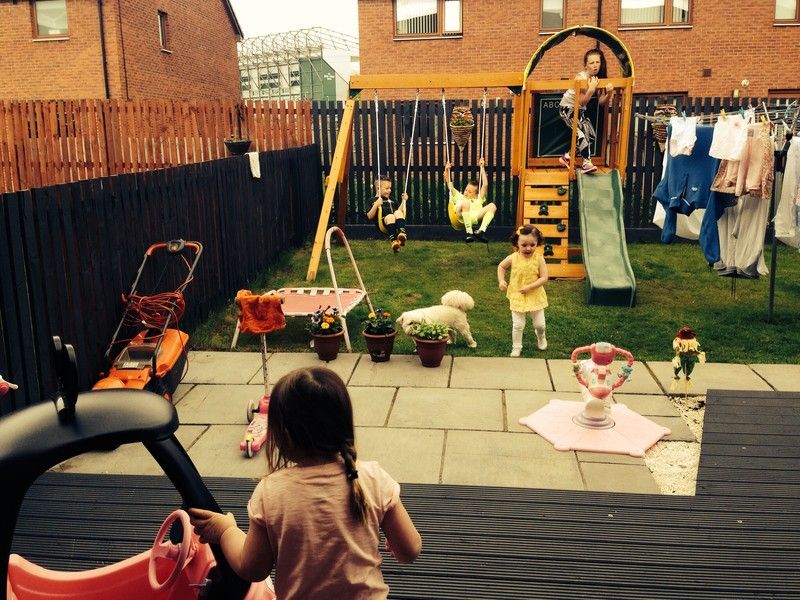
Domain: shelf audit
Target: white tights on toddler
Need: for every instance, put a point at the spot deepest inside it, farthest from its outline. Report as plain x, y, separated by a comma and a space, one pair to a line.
518, 326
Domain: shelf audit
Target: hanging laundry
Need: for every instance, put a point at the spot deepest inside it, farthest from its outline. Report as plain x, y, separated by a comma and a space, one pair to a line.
683, 135
730, 137
686, 226
787, 216
742, 228
687, 187
753, 174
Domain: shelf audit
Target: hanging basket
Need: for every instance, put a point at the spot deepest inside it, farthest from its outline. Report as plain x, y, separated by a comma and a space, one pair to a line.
461, 125
660, 129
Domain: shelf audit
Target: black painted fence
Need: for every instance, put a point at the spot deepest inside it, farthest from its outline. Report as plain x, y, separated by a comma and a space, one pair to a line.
427, 192
68, 252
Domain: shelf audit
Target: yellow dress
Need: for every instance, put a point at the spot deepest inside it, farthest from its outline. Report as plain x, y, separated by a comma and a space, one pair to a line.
525, 271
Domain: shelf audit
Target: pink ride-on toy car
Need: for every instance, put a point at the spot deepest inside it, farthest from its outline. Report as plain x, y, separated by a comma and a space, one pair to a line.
41, 436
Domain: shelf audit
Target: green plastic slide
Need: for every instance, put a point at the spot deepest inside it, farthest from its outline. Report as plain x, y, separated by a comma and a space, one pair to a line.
609, 277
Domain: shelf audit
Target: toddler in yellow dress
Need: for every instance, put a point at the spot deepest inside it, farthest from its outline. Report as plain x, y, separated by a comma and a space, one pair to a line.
525, 288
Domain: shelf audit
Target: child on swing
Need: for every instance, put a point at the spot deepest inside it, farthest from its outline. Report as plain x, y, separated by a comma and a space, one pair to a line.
393, 220
594, 69
525, 288
470, 206
317, 516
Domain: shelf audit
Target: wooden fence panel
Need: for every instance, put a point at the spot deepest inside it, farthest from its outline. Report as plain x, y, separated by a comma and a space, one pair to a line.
58, 141
642, 176
69, 251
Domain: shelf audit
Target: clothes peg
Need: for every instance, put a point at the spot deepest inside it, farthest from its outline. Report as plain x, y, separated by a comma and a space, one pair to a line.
766, 112
741, 112
722, 114
683, 114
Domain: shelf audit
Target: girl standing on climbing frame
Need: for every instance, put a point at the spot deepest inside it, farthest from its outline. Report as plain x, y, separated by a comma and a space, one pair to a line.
594, 69
388, 218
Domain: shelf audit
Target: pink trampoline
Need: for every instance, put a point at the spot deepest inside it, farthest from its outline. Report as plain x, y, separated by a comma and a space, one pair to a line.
303, 301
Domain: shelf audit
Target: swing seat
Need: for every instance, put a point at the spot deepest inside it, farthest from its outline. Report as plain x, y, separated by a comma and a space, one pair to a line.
380, 224
455, 221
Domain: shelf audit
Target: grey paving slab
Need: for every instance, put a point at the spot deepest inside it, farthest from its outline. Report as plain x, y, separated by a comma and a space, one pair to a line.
181, 391
401, 370
648, 405
784, 378
371, 404
437, 408
521, 403
408, 455
216, 454
721, 376
508, 459
130, 459
680, 430
606, 477
217, 404
642, 381
281, 363
607, 457
500, 373
222, 367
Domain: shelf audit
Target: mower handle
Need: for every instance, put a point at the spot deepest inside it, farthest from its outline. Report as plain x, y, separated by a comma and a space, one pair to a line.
175, 247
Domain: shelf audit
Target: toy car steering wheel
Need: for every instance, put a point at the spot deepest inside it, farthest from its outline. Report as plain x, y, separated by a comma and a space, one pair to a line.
179, 553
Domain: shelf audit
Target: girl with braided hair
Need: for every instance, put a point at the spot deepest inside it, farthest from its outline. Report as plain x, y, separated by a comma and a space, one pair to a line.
317, 516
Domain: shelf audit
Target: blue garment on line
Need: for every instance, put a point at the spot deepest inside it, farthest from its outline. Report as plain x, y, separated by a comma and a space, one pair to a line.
687, 186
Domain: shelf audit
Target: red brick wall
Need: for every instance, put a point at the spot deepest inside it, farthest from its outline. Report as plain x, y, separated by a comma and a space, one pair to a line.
202, 62
67, 68
735, 42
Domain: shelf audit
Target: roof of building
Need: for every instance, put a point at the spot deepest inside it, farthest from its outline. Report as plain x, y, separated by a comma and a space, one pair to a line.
232, 16
298, 42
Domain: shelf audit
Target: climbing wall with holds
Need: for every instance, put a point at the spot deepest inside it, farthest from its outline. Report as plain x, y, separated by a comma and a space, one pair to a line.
546, 206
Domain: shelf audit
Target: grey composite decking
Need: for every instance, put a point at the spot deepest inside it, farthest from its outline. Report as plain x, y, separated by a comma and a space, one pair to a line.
738, 538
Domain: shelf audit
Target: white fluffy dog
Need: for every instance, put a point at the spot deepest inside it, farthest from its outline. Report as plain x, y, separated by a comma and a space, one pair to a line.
452, 312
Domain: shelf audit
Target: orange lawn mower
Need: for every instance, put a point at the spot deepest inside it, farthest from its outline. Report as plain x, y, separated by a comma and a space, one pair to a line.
154, 358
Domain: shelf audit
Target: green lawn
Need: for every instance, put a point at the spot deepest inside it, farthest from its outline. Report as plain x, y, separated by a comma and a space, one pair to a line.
674, 288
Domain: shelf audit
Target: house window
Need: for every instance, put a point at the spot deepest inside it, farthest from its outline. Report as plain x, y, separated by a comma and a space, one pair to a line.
552, 15
427, 18
163, 30
787, 10
654, 12
50, 17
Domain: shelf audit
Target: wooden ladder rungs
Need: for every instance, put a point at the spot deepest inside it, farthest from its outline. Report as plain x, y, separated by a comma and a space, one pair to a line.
554, 211
547, 177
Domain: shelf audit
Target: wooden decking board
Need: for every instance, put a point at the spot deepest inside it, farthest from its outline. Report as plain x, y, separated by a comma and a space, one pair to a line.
760, 428
738, 538
755, 451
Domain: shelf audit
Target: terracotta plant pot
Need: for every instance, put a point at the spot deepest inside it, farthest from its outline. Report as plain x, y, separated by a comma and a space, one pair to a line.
379, 346
237, 147
327, 346
431, 352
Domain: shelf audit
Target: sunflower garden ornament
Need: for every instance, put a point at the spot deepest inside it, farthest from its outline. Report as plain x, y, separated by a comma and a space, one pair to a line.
687, 355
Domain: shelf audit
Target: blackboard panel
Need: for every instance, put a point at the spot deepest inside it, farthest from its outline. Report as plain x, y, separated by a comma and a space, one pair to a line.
551, 136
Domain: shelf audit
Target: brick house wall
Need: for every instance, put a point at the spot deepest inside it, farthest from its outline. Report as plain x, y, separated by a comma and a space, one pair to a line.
735, 41
201, 61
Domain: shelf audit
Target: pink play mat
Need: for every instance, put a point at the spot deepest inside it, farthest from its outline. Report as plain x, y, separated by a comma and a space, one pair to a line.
630, 434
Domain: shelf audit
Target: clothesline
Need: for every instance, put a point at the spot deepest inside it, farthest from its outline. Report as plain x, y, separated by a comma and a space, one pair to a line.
780, 113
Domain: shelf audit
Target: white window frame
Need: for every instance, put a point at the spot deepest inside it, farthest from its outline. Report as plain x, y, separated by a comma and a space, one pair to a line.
794, 21
163, 30
563, 17
440, 21
665, 22
35, 22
